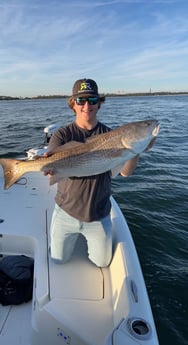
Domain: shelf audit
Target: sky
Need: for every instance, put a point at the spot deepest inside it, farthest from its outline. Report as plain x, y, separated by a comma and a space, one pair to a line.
126, 46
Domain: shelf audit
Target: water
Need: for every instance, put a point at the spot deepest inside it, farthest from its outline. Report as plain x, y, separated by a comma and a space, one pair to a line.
154, 199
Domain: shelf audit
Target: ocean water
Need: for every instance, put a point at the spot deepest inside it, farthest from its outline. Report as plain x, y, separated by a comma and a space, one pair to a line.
154, 199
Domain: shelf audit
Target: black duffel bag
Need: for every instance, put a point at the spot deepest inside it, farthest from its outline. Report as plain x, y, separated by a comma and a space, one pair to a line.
16, 279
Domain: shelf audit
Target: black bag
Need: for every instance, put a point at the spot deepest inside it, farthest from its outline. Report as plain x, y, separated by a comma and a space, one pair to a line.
16, 279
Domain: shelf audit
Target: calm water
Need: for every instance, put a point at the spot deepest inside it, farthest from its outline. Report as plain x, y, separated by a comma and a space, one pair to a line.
154, 199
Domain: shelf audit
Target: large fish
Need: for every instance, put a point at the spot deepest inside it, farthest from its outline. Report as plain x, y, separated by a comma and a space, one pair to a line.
100, 153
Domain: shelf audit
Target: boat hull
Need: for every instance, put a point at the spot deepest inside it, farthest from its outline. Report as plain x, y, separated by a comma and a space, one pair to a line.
76, 303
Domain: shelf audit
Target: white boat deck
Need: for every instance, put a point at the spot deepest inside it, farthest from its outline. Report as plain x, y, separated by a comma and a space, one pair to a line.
15, 324
76, 303
22, 225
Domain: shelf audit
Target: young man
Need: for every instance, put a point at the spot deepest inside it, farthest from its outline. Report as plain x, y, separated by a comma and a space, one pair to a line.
83, 204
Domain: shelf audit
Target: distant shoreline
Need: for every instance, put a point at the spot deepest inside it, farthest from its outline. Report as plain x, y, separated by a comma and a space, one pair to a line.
9, 98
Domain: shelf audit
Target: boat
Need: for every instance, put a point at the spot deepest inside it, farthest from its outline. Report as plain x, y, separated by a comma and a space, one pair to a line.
76, 303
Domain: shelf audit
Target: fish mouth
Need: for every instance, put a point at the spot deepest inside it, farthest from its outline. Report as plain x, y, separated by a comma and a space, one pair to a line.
156, 130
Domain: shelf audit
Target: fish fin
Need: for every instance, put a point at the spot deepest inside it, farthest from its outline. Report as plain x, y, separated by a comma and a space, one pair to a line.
90, 139
116, 170
69, 145
123, 171
11, 174
54, 179
72, 144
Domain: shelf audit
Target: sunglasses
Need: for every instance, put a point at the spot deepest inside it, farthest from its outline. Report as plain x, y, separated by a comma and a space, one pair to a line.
90, 100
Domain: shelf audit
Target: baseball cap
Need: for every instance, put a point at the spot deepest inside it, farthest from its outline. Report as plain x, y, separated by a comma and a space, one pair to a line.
85, 88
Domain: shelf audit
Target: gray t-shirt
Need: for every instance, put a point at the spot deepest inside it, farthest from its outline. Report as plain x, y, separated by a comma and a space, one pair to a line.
84, 198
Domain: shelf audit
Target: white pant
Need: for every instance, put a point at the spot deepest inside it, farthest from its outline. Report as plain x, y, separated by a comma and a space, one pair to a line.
66, 229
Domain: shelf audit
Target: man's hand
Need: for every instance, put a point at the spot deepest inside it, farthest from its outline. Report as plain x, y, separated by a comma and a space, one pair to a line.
51, 171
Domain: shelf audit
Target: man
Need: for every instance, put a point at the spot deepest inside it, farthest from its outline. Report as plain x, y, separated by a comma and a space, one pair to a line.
83, 204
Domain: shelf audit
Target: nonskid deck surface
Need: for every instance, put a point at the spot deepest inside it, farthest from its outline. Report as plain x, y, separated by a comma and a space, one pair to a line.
15, 324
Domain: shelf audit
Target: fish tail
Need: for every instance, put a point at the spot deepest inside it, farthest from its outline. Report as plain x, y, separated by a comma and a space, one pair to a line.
11, 170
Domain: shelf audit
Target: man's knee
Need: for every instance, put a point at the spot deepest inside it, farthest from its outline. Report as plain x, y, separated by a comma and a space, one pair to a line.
59, 261
101, 262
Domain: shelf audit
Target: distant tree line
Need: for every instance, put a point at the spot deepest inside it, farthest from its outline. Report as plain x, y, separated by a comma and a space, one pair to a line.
160, 93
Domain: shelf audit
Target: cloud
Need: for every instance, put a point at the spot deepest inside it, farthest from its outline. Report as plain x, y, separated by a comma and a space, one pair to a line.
116, 42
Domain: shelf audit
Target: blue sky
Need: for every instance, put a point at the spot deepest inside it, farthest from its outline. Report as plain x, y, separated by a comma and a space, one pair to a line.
125, 45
